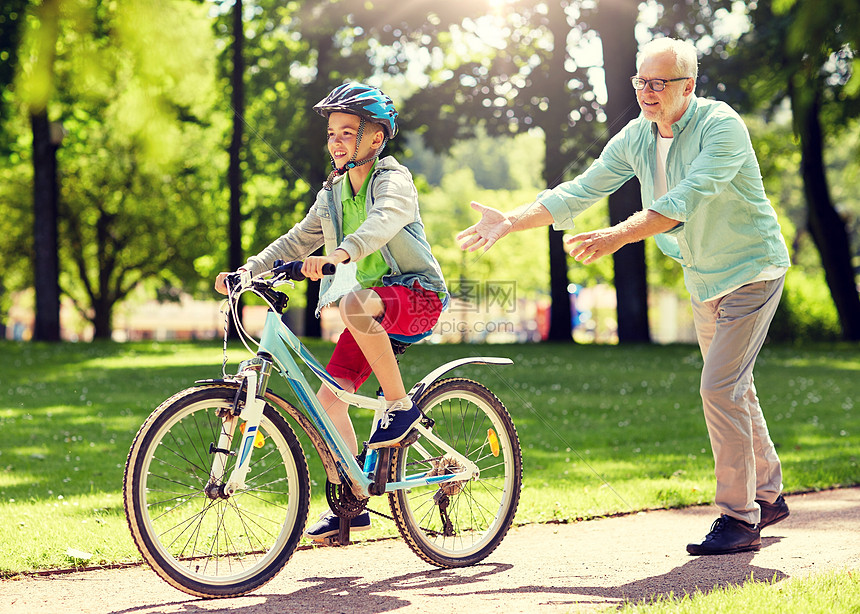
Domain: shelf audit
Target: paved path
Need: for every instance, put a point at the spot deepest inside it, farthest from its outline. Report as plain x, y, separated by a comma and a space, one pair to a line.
538, 568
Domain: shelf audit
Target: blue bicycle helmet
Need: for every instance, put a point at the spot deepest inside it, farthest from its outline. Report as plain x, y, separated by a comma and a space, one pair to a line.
363, 100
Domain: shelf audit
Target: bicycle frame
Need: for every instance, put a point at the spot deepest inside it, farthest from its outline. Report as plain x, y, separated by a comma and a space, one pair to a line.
277, 345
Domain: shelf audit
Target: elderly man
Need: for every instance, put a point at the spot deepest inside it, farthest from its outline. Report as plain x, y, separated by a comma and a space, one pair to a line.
705, 204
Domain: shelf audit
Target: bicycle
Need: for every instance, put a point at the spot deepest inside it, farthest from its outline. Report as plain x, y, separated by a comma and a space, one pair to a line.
216, 486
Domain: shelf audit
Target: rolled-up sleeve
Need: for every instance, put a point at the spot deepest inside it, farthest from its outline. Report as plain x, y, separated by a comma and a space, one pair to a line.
605, 175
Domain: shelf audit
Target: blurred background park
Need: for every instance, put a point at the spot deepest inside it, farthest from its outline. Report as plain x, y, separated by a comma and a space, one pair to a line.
146, 145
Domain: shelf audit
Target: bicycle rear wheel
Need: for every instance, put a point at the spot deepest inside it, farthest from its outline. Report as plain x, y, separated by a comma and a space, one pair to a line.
204, 544
456, 524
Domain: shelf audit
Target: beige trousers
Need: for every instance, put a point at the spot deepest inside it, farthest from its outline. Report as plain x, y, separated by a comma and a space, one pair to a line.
731, 331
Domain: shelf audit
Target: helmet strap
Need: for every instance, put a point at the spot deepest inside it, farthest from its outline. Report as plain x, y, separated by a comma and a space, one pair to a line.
337, 172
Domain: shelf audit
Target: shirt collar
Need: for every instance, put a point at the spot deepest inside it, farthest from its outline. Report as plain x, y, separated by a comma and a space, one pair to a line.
346, 190
679, 125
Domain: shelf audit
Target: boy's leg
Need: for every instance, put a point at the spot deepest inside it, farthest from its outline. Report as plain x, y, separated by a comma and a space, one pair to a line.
348, 368
361, 312
338, 411
370, 315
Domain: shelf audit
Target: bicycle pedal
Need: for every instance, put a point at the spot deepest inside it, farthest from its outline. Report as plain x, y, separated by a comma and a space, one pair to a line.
411, 438
326, 541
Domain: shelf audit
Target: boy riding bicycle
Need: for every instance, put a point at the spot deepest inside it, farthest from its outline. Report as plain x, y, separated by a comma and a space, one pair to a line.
366, 216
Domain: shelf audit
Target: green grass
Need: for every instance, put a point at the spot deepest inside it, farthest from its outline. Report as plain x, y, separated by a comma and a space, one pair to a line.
831, 592
603, 429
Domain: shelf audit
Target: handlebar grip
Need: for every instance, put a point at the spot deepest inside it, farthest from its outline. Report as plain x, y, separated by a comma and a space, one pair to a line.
293, 270
234, 280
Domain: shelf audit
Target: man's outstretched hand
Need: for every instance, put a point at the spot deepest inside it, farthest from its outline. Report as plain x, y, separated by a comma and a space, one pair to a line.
492, 226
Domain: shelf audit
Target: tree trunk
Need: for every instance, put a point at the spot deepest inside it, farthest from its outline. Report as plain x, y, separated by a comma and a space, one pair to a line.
554, 129
46, 263
631, 285
616, 20
827, 228
560, 322
102, 319
315, 131
46, 267
234, 172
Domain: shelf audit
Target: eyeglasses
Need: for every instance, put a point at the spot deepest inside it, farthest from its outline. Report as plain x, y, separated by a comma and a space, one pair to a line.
657, 85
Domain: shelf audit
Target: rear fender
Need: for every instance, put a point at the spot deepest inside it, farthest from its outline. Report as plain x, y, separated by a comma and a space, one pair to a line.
424, 384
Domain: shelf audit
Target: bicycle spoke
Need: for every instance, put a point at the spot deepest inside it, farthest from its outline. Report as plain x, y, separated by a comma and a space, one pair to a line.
466, 524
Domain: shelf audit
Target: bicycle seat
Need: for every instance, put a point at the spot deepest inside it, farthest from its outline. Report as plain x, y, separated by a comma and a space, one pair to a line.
399, 343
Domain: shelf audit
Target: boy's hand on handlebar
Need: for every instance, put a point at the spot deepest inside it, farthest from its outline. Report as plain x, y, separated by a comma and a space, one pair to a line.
313, 265
221, 280
220, 283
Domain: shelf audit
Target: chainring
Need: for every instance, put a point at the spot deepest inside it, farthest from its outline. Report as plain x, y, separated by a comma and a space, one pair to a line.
342, 502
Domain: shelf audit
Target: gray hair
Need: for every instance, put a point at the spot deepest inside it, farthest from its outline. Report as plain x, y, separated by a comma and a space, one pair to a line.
686, 58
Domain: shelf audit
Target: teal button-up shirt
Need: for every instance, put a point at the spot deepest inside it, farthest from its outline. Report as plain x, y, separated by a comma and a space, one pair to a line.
728, 231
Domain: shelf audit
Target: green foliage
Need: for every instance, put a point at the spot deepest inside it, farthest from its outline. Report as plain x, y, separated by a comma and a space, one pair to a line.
805, 311
143, 158
16, 217
12, 14
132, 84
497, 163
445, 210
521, 257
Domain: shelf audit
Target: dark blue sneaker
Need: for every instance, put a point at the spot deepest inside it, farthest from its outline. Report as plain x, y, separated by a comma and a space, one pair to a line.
396, 423
329, 525
728, 535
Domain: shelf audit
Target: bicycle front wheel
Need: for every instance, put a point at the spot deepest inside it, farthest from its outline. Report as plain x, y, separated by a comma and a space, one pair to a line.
199, 541
455, 524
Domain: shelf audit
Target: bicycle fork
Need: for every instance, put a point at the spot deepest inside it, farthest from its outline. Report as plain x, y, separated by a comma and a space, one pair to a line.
254, 377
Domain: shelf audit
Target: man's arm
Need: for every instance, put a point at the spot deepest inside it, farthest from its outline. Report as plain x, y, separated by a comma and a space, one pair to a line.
557, 206
587, 247
494, 224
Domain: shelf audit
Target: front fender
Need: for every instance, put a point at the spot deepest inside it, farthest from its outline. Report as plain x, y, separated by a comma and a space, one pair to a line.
421, 387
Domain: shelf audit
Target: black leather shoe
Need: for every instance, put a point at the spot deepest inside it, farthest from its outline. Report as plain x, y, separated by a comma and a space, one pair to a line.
728, 535
771, 513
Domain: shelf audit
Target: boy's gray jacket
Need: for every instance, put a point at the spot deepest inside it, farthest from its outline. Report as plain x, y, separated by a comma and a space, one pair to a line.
393, 227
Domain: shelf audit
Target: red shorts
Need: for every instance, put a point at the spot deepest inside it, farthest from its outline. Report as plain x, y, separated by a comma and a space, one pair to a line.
408, 311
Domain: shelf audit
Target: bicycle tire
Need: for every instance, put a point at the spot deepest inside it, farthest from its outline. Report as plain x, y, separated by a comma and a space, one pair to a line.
227, 546
480, 511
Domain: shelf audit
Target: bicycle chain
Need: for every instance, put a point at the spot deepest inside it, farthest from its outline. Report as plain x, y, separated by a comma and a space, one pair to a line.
344, 504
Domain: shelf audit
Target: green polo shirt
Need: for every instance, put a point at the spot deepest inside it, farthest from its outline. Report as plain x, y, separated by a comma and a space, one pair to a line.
371, 268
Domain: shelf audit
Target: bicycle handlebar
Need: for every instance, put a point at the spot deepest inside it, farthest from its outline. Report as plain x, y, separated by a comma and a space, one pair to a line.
291, 271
